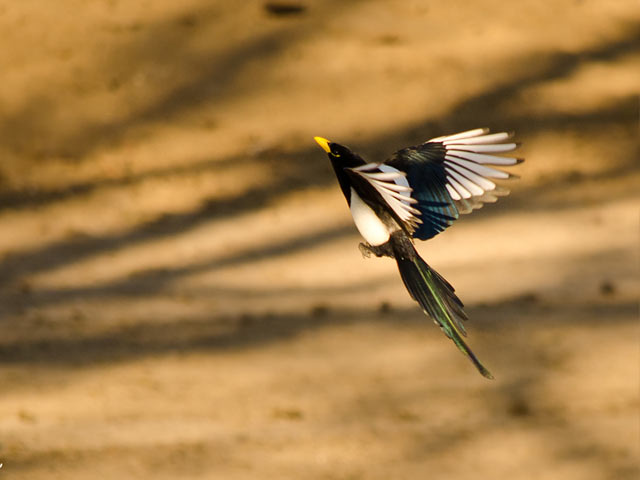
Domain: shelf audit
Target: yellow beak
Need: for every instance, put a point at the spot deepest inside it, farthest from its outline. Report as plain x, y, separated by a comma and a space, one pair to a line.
324, 143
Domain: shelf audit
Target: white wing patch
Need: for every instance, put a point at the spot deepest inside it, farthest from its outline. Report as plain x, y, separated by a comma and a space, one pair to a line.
466, 159
394, 188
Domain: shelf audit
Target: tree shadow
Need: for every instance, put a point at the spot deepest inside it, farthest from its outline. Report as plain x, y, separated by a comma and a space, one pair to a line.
157, 335
215, 73
213, 80
298, 169
516, 403
151, 282
167, 46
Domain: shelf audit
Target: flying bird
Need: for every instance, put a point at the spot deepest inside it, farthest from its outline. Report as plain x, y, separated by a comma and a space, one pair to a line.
417, 193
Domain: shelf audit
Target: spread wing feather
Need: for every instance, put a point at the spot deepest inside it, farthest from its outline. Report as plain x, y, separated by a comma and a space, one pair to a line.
392, 186
448, 176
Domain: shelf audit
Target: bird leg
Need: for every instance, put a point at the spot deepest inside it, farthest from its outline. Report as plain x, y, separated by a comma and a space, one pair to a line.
383, 250
365, 249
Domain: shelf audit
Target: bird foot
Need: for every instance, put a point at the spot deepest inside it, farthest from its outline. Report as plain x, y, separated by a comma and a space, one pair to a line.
378, 251
365, 250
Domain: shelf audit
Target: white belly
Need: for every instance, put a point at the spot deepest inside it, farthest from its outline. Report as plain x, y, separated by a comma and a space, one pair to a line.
367, 222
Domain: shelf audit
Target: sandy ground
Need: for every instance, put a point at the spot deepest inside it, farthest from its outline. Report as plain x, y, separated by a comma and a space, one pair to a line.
181, 293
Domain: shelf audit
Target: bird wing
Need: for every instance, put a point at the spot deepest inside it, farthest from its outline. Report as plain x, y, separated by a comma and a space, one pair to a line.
453, 175
391, 187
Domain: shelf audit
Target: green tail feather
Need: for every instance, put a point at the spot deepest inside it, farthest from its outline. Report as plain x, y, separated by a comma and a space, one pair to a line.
437, 299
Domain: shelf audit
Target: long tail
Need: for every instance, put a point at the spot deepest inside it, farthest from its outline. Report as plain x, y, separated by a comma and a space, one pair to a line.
435, 295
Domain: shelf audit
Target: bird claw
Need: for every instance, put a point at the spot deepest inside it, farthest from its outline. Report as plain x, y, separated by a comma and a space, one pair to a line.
365, 249
379, 250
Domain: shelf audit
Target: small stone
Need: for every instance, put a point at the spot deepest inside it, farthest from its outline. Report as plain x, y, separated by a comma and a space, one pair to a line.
319, 310
519, 408
607, 288
284, 8
288, 413
385, 307
246, 320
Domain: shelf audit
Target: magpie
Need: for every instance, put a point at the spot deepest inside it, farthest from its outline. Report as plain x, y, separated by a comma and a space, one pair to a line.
417, 193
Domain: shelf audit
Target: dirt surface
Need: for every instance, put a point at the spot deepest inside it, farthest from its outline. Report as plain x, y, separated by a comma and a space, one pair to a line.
181, 293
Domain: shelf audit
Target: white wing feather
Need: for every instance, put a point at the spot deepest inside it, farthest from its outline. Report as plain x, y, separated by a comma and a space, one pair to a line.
468, 165
394, 189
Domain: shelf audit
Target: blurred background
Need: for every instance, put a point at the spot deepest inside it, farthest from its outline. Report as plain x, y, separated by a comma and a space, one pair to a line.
181, 293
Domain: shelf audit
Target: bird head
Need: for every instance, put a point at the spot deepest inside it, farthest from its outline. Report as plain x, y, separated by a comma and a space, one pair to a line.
339, 154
